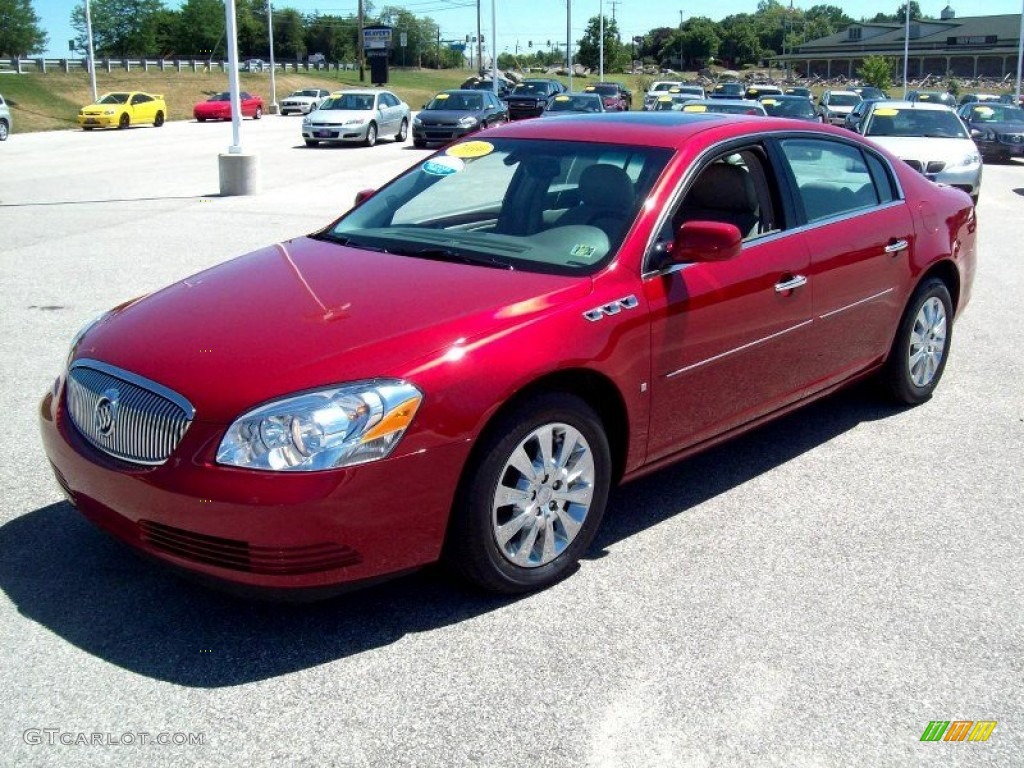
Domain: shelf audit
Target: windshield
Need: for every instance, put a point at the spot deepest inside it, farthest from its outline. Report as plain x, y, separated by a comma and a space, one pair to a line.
462, 102
930, 123
575, 104
526, 89
843, 99
314, 94
991, 113
221, 97
798, 107
350, 101
560, 207
114, 98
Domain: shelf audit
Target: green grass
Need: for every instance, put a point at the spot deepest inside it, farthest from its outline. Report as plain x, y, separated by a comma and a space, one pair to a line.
47, 102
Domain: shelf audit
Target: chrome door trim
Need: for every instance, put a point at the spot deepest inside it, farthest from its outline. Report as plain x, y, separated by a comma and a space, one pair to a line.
857, 303
748, 345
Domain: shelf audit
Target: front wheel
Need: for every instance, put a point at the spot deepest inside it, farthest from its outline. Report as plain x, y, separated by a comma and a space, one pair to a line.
533, 497
403, 131
258, 113
124, 121
919, 352
419, 143
371, 135
4, 130
311, 143
158, 120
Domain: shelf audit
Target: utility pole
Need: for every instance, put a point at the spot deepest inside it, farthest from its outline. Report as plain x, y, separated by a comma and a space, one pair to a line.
600, 47
568, 39
359, 43
680, 41
479, 43
92, 57
274, 109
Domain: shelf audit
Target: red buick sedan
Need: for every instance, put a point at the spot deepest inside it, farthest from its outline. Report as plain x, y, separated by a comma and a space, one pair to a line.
218, 107
462, 365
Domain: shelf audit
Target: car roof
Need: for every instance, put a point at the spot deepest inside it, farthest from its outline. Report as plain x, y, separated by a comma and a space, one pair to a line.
926, 105
654, 129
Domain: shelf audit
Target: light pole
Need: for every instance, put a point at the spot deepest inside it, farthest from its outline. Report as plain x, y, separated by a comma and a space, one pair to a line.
239, 171
92, 57
568, 40
494, 47
600, 46
479, 43
1020, 54
906, 49
273, 81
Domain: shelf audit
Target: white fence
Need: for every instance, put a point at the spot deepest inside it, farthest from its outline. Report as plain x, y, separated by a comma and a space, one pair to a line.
25, 65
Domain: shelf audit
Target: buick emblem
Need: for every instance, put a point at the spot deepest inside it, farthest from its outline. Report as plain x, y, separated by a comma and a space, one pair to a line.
104, 415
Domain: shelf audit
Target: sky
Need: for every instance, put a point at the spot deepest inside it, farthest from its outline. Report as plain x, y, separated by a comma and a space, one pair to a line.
520, 21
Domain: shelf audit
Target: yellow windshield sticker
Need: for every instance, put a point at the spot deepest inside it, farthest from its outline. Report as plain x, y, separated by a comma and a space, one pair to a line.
561, 98
984, 111
441, 96
664, 98
471, 149
673, 90
589, 88
886, 112
694, 108
924, 97
583, 251
769, 102
752, 90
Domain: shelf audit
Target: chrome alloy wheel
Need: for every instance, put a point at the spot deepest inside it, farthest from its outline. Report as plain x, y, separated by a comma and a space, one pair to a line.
927, 342
543, 495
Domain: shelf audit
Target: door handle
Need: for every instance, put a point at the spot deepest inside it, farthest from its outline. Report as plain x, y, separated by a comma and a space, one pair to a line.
895, 246
785, 286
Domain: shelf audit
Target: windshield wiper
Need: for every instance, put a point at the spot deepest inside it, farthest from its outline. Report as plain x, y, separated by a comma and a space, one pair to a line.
331, 237
447, 254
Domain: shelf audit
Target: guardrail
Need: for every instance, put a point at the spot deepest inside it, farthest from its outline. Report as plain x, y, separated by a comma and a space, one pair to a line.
42, 65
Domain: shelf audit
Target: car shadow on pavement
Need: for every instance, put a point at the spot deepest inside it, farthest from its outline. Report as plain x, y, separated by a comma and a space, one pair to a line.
63, 573
157, 198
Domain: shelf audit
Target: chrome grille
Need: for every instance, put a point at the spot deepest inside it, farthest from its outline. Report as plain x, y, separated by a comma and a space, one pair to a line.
124, 415
935, 166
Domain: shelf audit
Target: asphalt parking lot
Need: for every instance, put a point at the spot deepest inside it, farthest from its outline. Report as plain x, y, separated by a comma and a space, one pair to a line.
812, 594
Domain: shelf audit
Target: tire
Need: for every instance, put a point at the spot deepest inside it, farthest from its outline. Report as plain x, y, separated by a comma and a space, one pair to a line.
921, 347
403, 131
200, 119
537, 536
371, 135
258, 114
311, 143
124, 121
419, 143
158, 120
5, 130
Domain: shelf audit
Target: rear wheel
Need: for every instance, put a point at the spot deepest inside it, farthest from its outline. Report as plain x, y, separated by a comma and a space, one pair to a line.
371, 135
533, 497
403, 132
5, 130
258, 114
124, 121
919, 352
158, 120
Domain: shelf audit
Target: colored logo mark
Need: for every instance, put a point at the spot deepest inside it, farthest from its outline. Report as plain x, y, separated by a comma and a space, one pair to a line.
958, 730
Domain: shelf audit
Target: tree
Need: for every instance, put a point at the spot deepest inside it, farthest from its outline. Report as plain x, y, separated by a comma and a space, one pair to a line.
289, 35
699, 40
877, 71
333, 36
121, 27
588, 48
20, 33
200, 29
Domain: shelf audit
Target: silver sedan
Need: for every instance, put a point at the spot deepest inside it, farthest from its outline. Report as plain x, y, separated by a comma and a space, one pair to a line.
357, 116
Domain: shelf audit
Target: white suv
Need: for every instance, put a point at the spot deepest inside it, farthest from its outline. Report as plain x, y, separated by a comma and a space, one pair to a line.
5, 120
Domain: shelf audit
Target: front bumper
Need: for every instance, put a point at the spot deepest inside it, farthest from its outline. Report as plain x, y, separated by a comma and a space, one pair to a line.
336, 133
288, 107
1007, 146
97, 121
440, 134
281, 534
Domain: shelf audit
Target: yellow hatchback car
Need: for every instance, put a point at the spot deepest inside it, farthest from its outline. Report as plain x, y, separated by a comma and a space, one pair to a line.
123, 109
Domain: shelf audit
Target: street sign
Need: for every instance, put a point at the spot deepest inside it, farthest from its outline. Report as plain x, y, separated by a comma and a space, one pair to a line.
403, 39
376, 37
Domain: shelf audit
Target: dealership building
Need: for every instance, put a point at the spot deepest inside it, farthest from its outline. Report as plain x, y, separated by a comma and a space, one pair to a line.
970, 47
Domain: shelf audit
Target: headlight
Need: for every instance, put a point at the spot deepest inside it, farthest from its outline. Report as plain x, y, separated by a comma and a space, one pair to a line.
109, 111
416, 121
972, 159
307, 121
338, 427
77, 338
467, 122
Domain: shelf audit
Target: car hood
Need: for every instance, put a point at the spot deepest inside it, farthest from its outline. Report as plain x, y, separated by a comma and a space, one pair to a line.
429, 116
839, 110
341, 115
307, 313
924, 149
999, 127
303, 99
215, 106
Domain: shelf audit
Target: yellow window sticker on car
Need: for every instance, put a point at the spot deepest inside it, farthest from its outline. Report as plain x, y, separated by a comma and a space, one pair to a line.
694, 108
441, 96
770, 102
752, 90
664, 98
886, 112
581, 251
923, 97
589, 88
984, 112
673, 90
471, 149
561, 98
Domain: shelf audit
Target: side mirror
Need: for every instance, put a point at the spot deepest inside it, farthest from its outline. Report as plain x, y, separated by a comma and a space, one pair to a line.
705, 241
364, 195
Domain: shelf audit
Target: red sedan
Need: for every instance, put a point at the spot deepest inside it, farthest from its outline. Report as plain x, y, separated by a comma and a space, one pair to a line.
218, 107
464, 364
